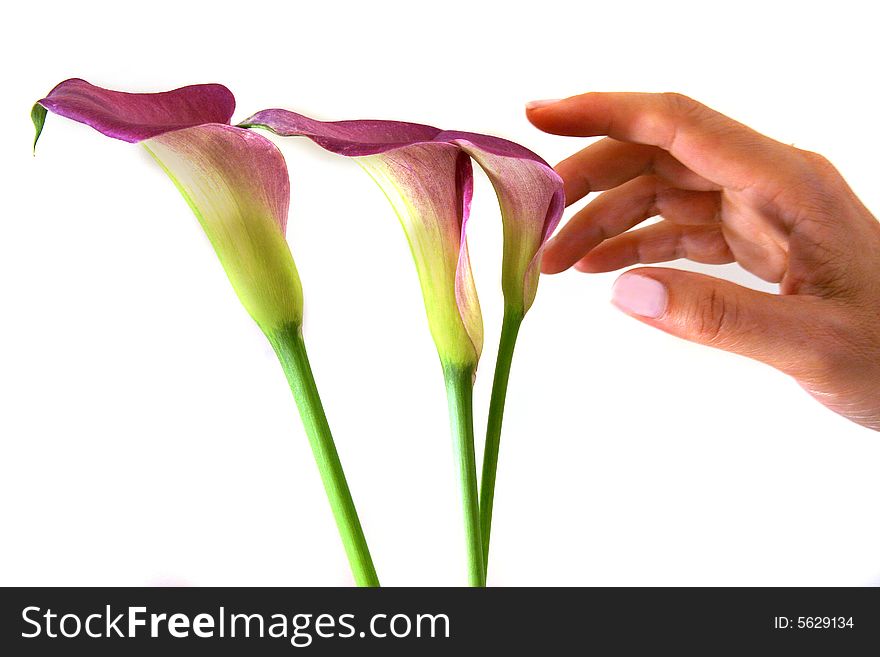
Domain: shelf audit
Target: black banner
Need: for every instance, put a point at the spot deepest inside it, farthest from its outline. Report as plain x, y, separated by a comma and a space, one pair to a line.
289, 621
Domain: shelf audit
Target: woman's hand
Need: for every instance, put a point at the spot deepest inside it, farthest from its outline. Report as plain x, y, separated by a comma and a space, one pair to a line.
726, 193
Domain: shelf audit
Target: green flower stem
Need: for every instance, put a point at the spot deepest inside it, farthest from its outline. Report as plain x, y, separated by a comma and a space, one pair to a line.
288, 344
509, 331
459, 393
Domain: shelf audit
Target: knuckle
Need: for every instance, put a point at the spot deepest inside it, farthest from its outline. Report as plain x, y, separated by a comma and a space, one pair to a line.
818, 175
825, 361
813, 190
679, 102
714, 318
843, 344
708, 241
677, 111
684, 107
817, 162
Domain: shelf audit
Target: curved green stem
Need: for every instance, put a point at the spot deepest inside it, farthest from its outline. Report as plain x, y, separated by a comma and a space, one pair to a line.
290, 348
459, 393
509, 331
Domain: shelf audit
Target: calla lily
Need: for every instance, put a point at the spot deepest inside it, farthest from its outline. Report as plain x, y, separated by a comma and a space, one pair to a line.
425, 173
236, 183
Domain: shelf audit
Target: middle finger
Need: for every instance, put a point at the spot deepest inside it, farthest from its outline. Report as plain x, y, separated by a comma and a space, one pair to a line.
609, 163
623, 207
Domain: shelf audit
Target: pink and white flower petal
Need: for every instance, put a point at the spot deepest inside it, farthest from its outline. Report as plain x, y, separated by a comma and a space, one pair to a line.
429, 185
236, 183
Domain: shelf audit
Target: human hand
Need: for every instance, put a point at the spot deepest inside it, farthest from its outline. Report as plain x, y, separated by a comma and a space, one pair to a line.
725, 193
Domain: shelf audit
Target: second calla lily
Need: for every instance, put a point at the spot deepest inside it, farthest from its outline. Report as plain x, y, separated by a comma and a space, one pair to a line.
426, 174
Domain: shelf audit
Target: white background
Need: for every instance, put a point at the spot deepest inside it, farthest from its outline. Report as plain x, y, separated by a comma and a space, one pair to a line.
148, 435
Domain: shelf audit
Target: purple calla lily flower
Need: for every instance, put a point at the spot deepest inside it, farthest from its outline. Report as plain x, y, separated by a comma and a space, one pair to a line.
236, 183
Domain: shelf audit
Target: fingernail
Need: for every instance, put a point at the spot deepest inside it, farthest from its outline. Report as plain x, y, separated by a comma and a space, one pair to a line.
640, 295
535, 104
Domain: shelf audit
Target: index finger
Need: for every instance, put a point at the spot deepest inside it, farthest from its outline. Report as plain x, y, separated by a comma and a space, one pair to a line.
709, 143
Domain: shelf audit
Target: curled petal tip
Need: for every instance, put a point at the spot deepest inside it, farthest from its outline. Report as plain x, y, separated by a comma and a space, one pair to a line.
38, 116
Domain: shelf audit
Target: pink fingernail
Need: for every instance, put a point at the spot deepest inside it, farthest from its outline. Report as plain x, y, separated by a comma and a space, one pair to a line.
640, 295
535, 104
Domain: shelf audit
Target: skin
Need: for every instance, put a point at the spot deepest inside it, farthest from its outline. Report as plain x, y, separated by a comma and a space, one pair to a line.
725, 194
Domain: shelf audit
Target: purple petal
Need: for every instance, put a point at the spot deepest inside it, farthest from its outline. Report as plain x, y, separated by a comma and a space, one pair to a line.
135, 117
532, 201
465, 287
351, 138
531, 198
490, 144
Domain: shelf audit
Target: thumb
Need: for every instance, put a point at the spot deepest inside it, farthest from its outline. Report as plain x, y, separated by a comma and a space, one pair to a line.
778, 330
